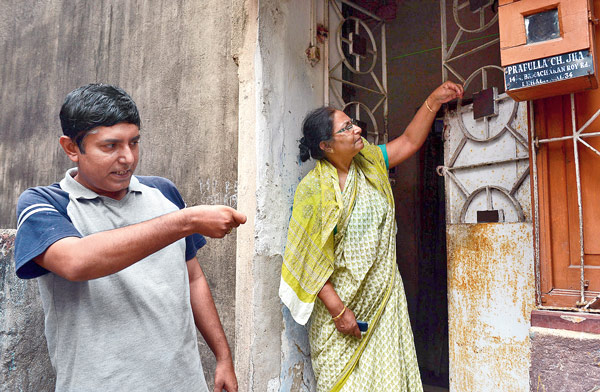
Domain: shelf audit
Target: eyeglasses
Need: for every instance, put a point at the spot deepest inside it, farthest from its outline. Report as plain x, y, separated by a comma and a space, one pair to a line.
348, 126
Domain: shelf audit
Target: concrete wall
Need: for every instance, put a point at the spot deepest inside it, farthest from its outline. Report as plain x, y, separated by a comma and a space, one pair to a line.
277, 88
173, 57
24, 361
563, 360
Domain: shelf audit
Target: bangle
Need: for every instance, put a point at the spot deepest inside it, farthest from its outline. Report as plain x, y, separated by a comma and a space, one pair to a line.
428, 107
339, 315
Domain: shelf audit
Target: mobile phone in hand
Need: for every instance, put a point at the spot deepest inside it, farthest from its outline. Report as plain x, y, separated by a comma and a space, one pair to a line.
362, 325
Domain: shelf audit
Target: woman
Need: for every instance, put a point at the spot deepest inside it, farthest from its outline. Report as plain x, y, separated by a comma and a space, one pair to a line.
341, 248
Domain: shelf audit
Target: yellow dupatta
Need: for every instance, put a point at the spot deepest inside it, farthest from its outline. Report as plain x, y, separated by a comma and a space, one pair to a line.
309, 253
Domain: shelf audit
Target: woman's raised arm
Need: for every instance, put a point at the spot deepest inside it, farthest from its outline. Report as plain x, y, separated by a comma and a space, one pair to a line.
415, 134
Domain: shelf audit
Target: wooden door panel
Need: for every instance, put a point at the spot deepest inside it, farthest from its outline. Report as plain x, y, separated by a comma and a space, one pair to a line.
590, 184
559, 209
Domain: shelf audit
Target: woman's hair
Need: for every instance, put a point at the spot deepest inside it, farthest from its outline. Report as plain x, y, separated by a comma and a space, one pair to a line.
316, 128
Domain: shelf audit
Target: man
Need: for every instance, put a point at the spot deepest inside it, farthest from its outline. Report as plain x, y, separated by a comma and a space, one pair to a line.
115, 258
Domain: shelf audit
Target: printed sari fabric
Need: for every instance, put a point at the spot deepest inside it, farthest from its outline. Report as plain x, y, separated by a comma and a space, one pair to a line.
365, 276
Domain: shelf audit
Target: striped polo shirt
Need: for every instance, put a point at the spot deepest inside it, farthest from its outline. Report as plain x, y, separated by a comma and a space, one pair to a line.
133, 330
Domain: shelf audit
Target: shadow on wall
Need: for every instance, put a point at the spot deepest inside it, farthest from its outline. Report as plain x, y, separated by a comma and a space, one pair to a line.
25, 364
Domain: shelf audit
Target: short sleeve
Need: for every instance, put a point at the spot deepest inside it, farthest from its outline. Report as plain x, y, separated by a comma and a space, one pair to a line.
169, 190
41, 221
385, 155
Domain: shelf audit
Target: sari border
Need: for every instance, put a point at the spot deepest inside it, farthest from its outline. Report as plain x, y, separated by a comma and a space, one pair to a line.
299, 310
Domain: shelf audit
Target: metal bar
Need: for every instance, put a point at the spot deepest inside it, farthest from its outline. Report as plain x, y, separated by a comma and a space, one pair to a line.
517, 136
535, 208
463, 5
313, 22
382, 100
588, 122
578, 178
459, 148
462, 80
454, 43
518, 184
488, 196
356, 57
444, 39
361, 9
486, 120
483, 164
337, 9
590, 303
590, 134
356, 85
326, 54
554, 139
589, 146
379, 85
460, 186
574, 310
384, 79
481, 17
339, 63
562, 138
474, 50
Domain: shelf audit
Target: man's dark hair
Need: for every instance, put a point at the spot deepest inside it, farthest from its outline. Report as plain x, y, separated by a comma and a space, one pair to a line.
95, 105
316, 128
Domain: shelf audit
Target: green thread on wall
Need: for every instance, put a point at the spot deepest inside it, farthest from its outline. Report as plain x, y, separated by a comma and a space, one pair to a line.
439, 47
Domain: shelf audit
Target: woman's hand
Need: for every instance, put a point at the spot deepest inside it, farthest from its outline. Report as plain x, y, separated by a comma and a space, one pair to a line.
444, 93
346, 324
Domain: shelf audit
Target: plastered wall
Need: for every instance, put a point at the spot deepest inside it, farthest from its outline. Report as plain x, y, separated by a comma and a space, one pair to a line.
173, 57
278, 87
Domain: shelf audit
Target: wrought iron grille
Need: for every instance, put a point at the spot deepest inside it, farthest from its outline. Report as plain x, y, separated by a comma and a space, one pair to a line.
357, 51
489, 128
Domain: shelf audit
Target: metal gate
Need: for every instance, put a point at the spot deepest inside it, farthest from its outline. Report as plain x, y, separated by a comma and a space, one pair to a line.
357, 60
491, 284
486, 162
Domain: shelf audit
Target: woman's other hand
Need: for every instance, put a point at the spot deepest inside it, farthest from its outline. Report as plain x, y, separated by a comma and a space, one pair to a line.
446, 92
346, 324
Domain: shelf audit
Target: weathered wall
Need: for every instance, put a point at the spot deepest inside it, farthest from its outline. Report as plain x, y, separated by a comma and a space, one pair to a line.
490, 299
173, 57
277, 88
564, 361
24, 361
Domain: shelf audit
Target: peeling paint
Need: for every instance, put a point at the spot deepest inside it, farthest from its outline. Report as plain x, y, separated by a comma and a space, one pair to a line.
573, 319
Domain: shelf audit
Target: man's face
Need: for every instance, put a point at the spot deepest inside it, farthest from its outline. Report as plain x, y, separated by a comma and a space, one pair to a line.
110, 158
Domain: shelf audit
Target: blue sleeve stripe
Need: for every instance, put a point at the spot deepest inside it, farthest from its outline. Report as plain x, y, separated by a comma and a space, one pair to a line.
385, 155
41, 207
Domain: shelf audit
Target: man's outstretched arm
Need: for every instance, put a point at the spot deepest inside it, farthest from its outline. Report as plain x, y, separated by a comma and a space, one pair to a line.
208, 323
104, 253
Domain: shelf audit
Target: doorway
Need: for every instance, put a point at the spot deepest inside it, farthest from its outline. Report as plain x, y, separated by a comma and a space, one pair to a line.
413, 63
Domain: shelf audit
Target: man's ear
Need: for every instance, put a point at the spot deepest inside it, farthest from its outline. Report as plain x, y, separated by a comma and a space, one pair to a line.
70, 148
325, 146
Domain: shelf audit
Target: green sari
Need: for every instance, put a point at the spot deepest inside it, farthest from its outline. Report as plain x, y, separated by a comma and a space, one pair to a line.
359, 259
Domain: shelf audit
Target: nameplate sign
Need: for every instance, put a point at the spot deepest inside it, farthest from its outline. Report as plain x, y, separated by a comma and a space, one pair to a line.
548, 70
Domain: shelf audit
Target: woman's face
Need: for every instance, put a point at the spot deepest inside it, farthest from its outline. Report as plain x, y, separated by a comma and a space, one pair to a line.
346, 139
